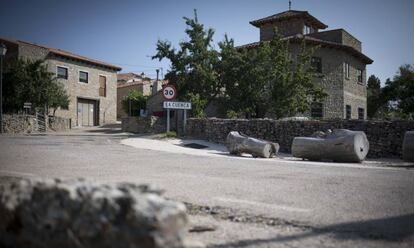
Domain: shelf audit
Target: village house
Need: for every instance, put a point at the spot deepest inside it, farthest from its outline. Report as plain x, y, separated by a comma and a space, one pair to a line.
90, 84
147, 86
339, 64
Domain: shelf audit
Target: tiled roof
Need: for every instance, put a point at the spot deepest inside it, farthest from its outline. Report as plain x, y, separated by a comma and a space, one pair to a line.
62, 53
324, 43
287, 15
124, 85
127, 76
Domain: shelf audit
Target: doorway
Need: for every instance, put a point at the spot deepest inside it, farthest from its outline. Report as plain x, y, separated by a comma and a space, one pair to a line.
87, 112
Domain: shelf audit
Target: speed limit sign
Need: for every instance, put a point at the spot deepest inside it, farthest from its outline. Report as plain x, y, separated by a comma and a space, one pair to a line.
169, 92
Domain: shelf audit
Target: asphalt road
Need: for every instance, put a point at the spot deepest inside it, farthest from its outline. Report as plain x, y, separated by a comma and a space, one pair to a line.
374, 204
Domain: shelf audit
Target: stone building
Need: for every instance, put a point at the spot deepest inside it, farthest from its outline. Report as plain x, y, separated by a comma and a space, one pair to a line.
131, 81
90, 84
339, 64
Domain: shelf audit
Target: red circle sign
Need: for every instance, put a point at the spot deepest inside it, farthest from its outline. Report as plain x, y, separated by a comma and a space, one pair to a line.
169, 92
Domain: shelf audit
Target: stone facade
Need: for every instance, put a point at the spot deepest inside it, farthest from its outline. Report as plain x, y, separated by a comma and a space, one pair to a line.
78, 90
385, 137
337, 50
104, 111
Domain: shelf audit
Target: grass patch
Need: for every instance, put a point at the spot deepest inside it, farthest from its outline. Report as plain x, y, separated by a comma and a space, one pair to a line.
171, 134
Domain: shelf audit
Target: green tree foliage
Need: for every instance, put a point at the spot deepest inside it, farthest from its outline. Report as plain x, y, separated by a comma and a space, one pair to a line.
251, 81
30, 81
193, 64
400, 92
374, 96
267, 79
136, 100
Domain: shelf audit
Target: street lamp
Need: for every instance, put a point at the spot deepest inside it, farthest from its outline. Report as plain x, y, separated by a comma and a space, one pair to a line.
3, 51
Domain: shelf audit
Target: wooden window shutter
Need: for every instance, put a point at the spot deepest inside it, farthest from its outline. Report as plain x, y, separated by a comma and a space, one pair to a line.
102, 86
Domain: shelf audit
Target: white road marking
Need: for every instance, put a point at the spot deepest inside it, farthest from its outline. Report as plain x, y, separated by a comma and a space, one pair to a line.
262, 204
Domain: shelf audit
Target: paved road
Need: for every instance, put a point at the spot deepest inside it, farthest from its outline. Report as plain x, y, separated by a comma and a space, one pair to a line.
374, 203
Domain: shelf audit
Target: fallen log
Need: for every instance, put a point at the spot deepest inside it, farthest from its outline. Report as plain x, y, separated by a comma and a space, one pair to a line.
408, 146
238, 143
341, 145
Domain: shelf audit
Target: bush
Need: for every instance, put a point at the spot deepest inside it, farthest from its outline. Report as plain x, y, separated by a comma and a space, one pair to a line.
170, 134
138, 101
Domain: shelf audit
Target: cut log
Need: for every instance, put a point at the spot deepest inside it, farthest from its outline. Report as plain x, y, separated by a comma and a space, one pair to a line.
238, 143
408, 146
341, 145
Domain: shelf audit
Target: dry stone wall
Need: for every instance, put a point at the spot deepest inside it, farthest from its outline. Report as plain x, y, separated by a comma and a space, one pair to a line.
385, 137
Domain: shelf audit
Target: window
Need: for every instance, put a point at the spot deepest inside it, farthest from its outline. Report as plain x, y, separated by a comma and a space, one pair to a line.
306, 29
316, 110
83, 77
62, 72
359, 76
316, 64
348, 112
346, 70
102, 86
361, 113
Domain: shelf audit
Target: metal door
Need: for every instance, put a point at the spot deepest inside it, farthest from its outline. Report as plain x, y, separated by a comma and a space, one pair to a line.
86, 112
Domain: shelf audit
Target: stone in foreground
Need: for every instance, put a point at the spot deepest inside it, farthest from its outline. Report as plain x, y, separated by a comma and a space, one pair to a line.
238, 143
81, 214
408, 146
341, 145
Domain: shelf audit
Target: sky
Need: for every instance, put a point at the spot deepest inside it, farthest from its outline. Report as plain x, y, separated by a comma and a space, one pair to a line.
125, 32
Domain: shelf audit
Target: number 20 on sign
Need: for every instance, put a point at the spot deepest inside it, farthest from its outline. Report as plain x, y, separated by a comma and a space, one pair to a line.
169, 92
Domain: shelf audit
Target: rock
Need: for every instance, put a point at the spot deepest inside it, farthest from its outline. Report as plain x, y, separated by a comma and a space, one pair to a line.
408, 146
78, 213
238, 143
341, 145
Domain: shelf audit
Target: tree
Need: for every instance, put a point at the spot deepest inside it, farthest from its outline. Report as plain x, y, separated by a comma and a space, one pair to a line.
193, 65
374, 96
249, 81
401, 90
266, 79
30, 81
134, 102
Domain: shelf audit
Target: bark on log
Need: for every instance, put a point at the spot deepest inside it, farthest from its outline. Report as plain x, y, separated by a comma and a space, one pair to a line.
408, 146
238, 143
341, 145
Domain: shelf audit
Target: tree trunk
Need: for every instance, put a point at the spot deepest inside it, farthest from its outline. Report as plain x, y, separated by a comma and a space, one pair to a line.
238, 143
341, 145
408, 146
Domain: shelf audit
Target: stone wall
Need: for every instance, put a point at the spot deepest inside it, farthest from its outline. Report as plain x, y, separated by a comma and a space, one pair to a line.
14, 124
339, 36
59, 124
385, 137
286, 28
150, 124
25, 124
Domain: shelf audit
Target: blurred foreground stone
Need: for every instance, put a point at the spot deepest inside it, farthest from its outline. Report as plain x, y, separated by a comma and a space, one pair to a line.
78, 213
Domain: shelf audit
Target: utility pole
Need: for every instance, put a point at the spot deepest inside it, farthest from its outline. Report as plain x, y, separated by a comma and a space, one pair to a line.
290, 5
154, 91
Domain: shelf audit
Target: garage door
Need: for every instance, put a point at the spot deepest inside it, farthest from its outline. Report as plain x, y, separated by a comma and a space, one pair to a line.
86, 112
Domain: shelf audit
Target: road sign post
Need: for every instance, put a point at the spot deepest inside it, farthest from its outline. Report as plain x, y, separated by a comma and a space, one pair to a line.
177, 105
